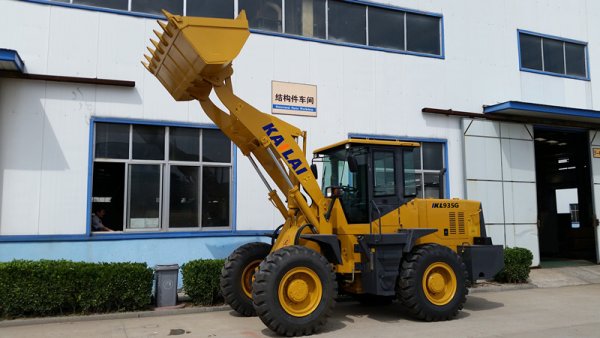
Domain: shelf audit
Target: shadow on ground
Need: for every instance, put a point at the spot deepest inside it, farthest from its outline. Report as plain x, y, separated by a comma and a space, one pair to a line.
346, 312
475, 303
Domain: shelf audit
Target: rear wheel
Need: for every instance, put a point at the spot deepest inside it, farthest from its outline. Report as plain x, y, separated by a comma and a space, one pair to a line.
238, 273
432, 284
294, 290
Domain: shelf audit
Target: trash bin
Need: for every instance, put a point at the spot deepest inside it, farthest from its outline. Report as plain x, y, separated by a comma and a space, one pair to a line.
166, 285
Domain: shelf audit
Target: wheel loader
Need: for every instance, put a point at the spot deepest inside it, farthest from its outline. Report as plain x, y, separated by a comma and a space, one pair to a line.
361, 232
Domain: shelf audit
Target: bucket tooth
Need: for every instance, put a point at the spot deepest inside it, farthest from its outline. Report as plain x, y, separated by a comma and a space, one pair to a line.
146, 66
152, 51
164, 27
166, 13
157, 45
148, 58
160, 37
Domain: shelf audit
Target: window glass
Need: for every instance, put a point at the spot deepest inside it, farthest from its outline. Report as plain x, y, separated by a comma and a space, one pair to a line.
148, 143
184, 144
386, 28
144, 196
410, 176
305, 17
114, 4
347, 22
554, 60
184, 203
132, 191
210, 8
155, 6
423, 34
112, 140
215, 196
263, 14
216, 147
108, 189
433, 156
531, 51
384, 174
575, 59
432, 185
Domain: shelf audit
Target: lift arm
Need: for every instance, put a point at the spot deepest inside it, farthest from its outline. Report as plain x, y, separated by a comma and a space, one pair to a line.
191, 59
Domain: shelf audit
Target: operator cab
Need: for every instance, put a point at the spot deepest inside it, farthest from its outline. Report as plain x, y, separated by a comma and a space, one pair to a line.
369, 177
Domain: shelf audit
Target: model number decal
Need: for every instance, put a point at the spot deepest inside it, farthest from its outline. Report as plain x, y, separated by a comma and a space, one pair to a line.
445, 205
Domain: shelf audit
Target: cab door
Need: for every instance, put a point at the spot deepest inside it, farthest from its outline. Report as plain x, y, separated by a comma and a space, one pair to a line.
384, 186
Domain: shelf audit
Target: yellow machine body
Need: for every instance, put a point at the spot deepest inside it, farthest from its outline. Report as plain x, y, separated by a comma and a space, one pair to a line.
193, 57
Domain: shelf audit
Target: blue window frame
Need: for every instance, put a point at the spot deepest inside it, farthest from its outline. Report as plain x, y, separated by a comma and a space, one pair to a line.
161, 176
351, 23
551, 55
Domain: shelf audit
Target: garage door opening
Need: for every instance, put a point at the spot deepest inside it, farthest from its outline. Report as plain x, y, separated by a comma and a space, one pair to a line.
564, 197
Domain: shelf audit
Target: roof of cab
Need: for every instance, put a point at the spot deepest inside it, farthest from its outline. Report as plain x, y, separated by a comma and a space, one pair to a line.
363, 141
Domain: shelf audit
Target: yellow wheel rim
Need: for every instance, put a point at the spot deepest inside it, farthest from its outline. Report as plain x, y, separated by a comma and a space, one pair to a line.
248, 277
300, 291
439, 283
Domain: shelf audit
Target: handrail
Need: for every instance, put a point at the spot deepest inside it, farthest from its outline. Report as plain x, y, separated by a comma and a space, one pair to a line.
371, 220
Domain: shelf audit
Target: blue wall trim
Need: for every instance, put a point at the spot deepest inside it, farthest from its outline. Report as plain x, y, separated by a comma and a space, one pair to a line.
415, 139
284, 35
12, 56
132, 236
541, 108
536, 71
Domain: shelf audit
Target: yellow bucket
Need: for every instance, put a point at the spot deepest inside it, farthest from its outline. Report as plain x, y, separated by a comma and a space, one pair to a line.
191, 49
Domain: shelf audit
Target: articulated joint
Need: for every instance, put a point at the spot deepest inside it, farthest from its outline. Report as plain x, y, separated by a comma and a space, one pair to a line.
218, 79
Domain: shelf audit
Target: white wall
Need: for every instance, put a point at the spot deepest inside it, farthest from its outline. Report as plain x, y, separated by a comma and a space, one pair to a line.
44, 126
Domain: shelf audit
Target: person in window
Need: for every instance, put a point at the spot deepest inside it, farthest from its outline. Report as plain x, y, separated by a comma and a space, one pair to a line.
97, 223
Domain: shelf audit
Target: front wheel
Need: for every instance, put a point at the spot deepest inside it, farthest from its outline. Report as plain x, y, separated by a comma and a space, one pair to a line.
238, 273
294, 290
432, 283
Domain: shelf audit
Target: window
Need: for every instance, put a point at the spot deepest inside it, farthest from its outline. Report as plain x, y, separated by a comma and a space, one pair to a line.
155, 6
428, 161
347, 22
305, 17
423, 34
386, 28
342, 22
553, 55
384, 177
113, 4
157, 178
211, 8
263, 14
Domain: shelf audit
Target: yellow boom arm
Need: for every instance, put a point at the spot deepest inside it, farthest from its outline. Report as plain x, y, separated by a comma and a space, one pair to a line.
193, 57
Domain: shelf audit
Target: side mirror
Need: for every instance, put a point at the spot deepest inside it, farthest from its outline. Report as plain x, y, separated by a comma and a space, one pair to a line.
313, 168
352, 164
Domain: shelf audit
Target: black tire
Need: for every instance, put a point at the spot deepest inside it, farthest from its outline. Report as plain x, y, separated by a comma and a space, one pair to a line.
237, 273
273, 301
441, 299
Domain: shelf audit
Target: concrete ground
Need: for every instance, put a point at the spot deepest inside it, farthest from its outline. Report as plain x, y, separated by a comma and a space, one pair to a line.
558, 303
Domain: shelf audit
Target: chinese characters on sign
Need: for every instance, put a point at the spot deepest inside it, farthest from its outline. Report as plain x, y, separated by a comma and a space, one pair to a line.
293, 99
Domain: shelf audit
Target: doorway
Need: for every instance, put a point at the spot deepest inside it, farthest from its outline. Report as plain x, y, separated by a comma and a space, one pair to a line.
564, 196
